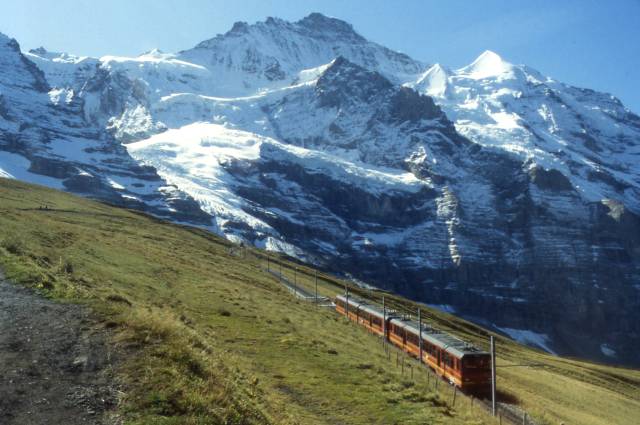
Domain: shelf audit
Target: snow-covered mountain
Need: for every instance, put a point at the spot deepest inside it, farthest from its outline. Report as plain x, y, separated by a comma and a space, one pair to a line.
491, 190
45, 139
590, 137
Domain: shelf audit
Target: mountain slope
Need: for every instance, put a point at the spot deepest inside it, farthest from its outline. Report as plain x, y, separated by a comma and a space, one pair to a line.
45, 138
588, 136
208, 336
274, 53
204, 334
507, 197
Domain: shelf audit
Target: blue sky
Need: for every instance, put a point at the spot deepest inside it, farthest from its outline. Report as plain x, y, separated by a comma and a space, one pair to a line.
593, 44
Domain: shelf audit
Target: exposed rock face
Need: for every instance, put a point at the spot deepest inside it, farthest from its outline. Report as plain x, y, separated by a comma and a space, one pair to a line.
492, 191
47, 138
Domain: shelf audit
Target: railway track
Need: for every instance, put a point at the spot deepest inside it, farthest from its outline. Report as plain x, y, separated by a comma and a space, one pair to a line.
506, 413
299, 291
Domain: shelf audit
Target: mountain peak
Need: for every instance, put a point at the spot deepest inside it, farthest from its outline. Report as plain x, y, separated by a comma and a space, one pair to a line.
342, 68
317, 23
239, 27
434, 81
9, 42
155, 53
318, 19
488, 64
40, 51
344, 80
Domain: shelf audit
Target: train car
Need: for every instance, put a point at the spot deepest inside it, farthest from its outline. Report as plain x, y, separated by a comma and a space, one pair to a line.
362, 313
462, 364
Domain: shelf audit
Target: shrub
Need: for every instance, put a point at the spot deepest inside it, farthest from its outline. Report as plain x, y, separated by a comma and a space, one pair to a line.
13, 245
66, 267
119, 299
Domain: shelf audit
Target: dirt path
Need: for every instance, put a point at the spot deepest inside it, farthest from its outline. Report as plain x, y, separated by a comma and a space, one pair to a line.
54, 363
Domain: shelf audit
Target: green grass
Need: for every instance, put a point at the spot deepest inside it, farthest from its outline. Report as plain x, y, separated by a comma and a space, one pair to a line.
554, 389
210, 338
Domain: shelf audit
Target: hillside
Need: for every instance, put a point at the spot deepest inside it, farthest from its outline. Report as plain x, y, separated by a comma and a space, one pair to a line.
209, 337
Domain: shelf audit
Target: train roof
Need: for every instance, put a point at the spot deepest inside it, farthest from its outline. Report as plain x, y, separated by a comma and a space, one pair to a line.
446, 342
364, 306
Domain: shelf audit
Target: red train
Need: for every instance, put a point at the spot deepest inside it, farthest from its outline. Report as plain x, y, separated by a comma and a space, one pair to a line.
462, 364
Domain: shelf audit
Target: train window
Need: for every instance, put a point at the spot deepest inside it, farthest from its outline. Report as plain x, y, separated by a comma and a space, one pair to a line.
412, 338
447, 360
431, 349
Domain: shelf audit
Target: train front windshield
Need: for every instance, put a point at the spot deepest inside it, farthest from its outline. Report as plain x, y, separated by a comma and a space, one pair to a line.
476, 362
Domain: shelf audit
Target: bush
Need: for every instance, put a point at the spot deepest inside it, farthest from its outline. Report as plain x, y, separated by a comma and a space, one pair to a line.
364, 366
66, 267
119, 299
13, 245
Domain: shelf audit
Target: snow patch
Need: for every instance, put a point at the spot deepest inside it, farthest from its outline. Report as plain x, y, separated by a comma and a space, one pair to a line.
443, 307
608, 351
15, 166
530, 338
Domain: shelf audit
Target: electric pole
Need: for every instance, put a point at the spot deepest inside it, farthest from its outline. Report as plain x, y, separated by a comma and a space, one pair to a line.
420, 332
493, 376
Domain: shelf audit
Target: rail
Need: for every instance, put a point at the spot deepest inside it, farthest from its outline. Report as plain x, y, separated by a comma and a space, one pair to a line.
300, 292
506, 413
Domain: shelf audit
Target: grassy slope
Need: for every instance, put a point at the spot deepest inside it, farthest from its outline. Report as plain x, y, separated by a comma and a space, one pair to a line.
555, 389
219, 341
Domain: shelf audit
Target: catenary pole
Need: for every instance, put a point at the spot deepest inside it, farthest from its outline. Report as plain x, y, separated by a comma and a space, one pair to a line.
346, 290
420, 332
493, 376
384, 321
